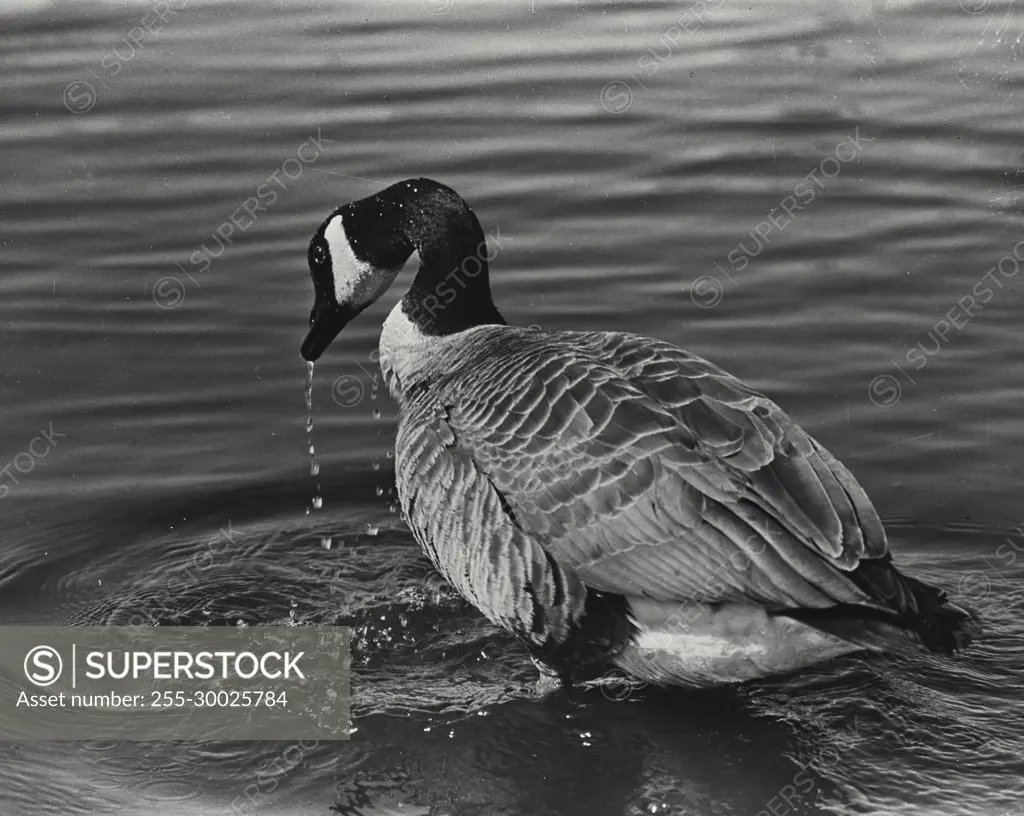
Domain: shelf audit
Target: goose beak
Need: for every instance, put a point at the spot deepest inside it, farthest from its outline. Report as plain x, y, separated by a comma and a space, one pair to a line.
325, 323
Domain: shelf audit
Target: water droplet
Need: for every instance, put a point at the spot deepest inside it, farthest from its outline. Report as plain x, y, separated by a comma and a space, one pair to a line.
241, 624
372, 529
388, 455
326, 542
314, 469
376, 464
380, 490
318, 502
294, 604
376, 413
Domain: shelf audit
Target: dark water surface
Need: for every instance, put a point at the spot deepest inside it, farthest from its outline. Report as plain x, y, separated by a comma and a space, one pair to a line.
630, 157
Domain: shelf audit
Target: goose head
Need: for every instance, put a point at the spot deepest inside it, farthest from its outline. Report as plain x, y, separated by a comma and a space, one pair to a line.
357, 253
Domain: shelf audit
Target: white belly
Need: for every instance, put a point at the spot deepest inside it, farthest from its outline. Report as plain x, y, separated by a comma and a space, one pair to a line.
704, 646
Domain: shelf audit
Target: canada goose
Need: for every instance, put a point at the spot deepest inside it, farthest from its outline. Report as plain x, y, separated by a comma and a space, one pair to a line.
611, 499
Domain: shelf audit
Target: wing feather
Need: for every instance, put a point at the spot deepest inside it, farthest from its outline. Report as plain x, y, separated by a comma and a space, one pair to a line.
625, 465
470, 533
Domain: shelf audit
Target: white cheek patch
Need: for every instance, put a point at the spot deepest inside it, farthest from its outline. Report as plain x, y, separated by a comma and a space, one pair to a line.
353, 278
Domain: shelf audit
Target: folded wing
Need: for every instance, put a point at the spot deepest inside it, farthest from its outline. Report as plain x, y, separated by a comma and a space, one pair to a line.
620, 464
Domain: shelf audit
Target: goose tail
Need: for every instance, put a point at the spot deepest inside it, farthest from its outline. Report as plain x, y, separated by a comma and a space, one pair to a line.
943, 626
918, 615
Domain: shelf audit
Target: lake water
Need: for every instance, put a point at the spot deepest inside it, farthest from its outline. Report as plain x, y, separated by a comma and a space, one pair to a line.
803, 193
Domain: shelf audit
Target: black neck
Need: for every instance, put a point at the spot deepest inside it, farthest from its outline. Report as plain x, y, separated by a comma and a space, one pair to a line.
452, 290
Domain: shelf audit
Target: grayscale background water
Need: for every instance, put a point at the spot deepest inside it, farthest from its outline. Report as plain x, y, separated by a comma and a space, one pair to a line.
180, 416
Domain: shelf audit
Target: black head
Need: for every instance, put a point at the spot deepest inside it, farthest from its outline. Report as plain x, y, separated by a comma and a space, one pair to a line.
359, 250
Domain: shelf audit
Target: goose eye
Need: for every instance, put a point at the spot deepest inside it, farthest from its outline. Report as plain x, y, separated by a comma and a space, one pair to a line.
318, 255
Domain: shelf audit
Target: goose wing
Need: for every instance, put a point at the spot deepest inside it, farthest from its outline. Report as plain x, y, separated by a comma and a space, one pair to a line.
629, 466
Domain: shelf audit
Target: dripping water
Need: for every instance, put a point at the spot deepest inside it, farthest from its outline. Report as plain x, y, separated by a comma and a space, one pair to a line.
314, 466
375, 356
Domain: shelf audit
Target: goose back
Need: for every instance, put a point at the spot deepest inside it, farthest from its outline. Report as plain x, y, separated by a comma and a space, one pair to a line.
537, 467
